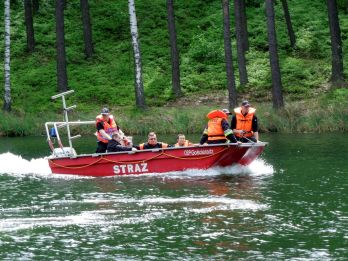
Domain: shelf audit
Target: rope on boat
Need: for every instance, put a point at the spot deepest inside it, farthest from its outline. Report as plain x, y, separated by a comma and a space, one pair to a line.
134, 162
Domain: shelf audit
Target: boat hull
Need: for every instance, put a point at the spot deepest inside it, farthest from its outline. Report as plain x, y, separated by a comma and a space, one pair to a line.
157, 161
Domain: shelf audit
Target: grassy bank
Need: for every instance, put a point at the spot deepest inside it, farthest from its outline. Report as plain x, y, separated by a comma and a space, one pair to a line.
311, 115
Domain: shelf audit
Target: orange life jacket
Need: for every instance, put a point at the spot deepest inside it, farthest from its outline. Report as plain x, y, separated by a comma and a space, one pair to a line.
109, 127
164, 145
244, 122
215, 131
186, 144
217, 114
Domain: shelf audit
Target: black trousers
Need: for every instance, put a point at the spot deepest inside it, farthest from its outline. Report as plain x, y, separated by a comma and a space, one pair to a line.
101, 147
246, 140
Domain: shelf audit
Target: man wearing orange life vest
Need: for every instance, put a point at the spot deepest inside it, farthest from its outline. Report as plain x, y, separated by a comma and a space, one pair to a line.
106, 126
152, 143
244, 124
182, 141
217, 130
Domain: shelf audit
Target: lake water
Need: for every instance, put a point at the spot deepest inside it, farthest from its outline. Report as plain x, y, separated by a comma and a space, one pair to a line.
290, 204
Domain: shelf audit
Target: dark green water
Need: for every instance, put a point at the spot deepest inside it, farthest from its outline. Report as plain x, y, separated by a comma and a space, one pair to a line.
289, 205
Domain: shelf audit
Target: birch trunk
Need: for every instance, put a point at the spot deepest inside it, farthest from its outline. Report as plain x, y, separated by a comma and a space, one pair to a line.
139, 88
7, 95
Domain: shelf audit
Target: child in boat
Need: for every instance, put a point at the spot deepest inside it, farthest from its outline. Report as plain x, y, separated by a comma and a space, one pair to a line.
181, 141
118, 143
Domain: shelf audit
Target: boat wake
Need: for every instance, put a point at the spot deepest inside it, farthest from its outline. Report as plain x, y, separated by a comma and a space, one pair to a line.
15, 165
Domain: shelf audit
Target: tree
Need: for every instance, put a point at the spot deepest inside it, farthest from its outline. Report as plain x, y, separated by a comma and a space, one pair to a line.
173, 49
139, 88
277, 95
231, 85
291, 33
36, 6
7, 95
336, 44
62, 78
29, 25
243, 76
87, 30
244, 25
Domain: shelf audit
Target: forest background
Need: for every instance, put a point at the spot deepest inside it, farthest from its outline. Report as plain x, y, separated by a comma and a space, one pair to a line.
312, 103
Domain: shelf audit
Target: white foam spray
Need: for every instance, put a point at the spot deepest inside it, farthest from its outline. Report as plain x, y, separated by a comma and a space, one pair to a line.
16, 165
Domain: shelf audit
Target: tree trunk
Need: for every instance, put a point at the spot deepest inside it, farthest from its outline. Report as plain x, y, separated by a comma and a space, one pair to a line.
62, 78
36, 6
244, 23
336, 44
139, 88
243, 76
7, 95
291, 33
277, 95
87, 30
231, 85
29, 25
173, 49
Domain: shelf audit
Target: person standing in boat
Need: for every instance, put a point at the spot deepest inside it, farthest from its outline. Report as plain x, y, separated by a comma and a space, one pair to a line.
218, 130
152, 143
244, 123
106, 126
117, 144
182, 141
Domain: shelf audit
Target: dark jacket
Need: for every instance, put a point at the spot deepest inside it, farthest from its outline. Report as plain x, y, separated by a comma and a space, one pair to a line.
115, 146
147, 146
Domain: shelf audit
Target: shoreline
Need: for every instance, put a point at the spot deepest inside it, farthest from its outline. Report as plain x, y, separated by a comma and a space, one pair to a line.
296, 117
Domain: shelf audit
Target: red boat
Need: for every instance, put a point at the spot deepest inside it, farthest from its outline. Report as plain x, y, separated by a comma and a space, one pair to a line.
64, 160
156, 161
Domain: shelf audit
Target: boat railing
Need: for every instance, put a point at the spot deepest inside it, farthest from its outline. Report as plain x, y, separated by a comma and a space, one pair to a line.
52, 129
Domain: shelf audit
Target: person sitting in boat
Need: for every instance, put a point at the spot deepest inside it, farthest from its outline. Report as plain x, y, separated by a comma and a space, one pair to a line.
244, 123
117, 144
106, 125
181, 141
218, 130
152, 143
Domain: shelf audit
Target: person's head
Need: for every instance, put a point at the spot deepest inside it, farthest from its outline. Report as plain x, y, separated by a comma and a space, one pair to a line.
105, 113
152, 138
226, 111
245, 106
116, 136
181, 139
119, 138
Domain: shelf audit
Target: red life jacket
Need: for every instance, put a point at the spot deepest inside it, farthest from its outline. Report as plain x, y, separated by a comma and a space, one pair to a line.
244, 122
109, 127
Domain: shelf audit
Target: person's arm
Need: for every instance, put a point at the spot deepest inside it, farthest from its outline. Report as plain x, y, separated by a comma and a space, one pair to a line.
100, 128
255, 128
204, 137
228, 132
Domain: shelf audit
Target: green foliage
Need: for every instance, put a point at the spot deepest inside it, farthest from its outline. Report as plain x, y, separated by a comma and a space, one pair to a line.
108, 78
